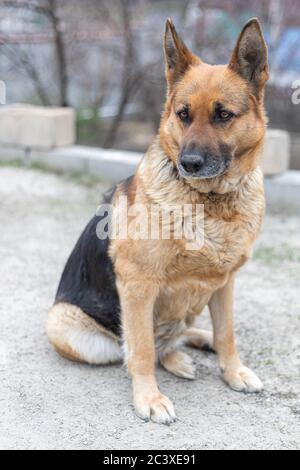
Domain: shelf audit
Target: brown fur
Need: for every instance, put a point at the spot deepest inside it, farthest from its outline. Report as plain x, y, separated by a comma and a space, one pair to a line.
162, 285
65, 320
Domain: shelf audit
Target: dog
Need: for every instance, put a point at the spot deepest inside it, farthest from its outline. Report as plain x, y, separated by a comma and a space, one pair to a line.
137, 299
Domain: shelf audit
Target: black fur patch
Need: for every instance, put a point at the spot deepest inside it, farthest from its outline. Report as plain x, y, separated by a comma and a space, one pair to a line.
88, 280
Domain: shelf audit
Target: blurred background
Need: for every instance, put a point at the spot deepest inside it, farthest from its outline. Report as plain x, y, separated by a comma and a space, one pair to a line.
105, 58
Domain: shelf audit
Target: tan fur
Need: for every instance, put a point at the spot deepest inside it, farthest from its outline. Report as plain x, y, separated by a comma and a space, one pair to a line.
199, 339
162, 285
66, 322
179, 363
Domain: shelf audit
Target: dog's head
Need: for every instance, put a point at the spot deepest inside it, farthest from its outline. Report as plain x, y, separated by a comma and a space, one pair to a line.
214, 117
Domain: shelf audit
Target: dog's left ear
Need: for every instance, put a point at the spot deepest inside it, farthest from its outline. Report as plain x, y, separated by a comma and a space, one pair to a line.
250, 57
177, 55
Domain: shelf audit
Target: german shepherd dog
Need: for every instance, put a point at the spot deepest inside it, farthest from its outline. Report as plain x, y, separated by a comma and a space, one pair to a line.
137, 299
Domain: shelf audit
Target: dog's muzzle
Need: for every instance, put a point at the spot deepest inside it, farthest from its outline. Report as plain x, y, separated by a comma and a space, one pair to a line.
202, 165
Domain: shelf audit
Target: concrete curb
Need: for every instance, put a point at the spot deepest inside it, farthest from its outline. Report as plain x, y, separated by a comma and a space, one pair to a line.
110, 165
31, 126
282, 191
277, 152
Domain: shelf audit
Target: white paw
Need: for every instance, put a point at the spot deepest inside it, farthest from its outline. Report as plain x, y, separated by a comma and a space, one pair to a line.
243, 380
179, 364
157, 408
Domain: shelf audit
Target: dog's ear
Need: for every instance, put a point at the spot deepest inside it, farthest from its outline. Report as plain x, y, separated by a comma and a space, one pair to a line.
177, 55
250, 57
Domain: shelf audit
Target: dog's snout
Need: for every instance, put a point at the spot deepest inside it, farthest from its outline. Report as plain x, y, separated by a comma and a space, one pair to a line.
192, 163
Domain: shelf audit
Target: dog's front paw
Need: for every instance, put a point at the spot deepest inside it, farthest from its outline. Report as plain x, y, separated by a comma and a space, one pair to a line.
242, 380
157, 408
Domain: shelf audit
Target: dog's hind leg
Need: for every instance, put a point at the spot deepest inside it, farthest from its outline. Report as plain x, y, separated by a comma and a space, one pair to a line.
199, 339
179, 363
169, 339
79, 338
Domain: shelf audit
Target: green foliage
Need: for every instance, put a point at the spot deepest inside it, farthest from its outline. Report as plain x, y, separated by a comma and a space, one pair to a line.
271, 255
90, 129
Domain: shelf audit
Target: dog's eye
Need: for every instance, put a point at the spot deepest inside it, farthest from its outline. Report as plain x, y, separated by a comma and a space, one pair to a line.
223, 115
183, 115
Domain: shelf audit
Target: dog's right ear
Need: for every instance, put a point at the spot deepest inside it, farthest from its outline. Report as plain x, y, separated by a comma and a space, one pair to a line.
177, 55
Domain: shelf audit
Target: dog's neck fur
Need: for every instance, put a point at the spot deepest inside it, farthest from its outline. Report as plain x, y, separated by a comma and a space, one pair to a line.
163, 184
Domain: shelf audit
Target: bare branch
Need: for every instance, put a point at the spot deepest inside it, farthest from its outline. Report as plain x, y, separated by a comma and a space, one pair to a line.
23, 62
50, 12
34, 7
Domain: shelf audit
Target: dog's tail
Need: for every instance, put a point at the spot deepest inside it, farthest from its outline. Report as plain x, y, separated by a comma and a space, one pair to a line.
79, 338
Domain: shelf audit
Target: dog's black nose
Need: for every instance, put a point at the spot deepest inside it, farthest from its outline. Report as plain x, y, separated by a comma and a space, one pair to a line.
191, 163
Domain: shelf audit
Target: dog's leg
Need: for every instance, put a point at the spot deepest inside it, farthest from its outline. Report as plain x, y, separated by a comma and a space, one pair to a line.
137, 302
79, 338
199, 339
239, 377
179, 363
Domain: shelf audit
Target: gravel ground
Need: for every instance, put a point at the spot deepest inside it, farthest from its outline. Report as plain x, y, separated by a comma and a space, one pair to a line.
50, 403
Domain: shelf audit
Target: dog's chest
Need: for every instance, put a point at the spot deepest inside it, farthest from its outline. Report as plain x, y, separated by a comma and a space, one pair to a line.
224, 247
194, 275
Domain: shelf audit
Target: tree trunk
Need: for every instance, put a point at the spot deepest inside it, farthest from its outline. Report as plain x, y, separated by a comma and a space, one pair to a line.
117, 120
61, 56
127, 82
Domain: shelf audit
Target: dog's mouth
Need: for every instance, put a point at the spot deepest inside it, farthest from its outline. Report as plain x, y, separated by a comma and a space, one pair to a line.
204, 168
